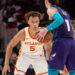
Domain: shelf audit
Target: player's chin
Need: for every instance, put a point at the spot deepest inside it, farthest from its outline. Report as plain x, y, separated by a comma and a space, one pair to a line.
35, 28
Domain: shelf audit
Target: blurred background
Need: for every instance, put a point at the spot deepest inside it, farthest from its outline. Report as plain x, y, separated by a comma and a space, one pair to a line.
12, 19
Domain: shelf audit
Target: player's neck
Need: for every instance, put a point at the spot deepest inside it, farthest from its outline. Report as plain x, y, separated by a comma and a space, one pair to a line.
32, 31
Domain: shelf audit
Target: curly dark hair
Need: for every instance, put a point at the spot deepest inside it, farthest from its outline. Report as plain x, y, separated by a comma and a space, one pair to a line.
33, 14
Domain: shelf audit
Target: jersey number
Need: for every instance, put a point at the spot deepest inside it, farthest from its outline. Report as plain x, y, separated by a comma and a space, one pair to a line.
68, 26
32, 48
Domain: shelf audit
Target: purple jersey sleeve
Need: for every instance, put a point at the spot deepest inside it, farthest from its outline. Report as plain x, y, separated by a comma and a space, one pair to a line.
65, 30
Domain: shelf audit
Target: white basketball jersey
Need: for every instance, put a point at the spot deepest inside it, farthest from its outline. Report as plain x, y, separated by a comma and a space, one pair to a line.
31, 52
31, 46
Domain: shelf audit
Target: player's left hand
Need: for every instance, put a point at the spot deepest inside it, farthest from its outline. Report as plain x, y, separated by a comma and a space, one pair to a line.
41, 34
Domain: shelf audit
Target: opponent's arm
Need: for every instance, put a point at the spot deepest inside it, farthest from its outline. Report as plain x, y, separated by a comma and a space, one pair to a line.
57, 21
53, 15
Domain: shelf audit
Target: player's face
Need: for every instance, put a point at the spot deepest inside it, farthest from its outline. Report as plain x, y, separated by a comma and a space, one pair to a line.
34, 22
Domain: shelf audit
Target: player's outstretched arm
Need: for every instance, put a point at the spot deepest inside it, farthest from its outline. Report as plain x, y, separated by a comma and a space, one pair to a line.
18, 37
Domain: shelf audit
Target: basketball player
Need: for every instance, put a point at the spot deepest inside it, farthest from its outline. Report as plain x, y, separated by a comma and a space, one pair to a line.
31, 51
63, 48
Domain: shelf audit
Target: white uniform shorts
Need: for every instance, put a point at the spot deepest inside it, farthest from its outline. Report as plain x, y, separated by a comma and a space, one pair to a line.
39, 64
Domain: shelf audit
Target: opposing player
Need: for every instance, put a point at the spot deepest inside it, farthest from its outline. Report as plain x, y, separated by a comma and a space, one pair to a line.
31, 51
63, 48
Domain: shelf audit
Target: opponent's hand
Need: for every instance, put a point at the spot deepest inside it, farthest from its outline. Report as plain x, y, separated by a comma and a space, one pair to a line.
41, 34
5, 69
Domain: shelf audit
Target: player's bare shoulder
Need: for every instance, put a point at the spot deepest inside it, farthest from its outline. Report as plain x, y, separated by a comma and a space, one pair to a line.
21, 34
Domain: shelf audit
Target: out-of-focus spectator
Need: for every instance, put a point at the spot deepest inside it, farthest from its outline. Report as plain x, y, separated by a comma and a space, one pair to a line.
24, 24
2, 33
13, 58
1, 61
3, 1
13, 62
15, 4
16, 7
10, 33
7, 12
1, 18
11, 23
19, 18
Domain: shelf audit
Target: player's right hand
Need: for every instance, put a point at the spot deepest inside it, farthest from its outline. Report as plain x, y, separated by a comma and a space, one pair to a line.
5, 70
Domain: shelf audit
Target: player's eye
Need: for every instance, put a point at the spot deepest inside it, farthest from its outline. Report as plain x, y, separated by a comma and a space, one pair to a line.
32, 22
36, 21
